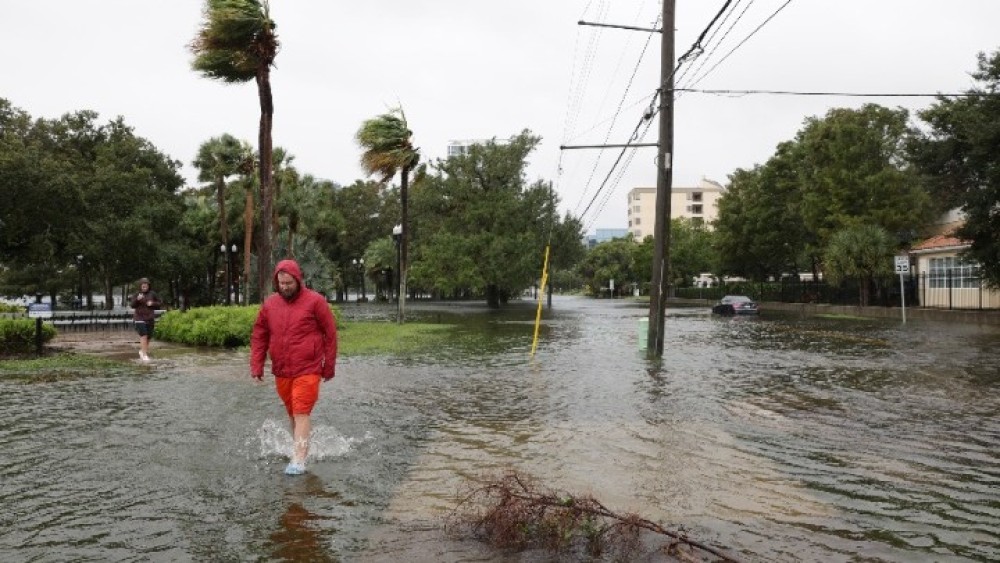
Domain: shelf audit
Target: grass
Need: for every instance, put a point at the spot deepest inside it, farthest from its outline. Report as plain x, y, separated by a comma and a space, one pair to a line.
62, 366
356, 338
843, 317
367, 338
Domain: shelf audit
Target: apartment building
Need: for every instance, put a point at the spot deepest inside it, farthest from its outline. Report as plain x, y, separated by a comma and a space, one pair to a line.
698, 203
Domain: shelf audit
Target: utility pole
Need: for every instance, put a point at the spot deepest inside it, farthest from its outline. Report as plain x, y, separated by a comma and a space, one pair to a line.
660, 286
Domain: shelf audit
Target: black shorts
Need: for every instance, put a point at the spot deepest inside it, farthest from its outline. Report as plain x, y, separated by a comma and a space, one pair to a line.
145, 328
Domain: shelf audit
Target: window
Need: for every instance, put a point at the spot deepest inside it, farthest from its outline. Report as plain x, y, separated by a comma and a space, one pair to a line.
696, 196
637, 220
696, 209
952, 271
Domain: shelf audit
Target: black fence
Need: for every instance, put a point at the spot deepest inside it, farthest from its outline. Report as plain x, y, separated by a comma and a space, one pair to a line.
85, 320
949, 291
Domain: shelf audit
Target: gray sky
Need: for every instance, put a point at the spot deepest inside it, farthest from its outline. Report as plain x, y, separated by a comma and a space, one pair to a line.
471, 69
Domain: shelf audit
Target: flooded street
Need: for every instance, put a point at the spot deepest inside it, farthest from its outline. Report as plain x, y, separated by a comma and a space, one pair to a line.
776, 438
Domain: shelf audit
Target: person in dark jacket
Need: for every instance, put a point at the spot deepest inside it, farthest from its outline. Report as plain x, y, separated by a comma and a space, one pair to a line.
296, 328
145, 303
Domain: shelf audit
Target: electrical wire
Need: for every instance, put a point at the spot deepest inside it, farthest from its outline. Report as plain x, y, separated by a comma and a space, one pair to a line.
692, 53
618, 111
741, 43
722, 40
838, 94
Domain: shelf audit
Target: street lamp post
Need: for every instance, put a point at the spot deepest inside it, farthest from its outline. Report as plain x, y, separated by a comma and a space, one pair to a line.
360, 264
235, 276
79, 280
225, 256
397, 234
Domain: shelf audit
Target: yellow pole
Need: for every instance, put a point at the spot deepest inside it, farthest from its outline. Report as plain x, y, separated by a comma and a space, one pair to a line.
541, 296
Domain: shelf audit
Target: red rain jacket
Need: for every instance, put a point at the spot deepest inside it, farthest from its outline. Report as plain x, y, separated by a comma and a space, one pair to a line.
299, 333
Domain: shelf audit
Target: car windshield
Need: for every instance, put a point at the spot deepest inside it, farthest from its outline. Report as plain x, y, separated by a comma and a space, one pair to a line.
736, 299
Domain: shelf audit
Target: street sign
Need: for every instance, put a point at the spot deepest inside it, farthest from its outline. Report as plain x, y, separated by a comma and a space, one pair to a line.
902, 265
40, 310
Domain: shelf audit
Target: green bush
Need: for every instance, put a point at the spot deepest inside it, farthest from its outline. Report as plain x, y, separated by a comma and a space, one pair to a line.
17, 336
209, 326
11, 308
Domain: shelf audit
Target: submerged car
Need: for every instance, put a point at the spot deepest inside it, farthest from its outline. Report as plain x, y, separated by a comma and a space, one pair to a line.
735, 305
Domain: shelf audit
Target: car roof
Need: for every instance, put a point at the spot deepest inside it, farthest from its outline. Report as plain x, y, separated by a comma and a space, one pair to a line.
736, 298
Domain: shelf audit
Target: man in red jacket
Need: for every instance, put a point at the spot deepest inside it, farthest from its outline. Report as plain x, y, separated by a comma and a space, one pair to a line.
296, 327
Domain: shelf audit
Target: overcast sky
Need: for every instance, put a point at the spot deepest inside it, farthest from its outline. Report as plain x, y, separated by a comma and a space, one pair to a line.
472, 69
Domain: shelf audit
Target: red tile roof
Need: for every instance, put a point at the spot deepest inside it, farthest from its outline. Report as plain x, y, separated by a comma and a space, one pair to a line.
940, 241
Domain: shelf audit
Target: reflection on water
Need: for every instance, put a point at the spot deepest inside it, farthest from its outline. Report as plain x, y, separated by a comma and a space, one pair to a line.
778, 438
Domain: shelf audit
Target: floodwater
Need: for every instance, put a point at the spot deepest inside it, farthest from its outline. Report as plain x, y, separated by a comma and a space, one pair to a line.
776, 439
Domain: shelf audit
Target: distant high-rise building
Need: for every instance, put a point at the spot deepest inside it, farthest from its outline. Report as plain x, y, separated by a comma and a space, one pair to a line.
461, 146
699, 203
603, 235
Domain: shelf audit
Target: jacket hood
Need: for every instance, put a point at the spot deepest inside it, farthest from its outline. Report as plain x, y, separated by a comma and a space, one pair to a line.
290, 267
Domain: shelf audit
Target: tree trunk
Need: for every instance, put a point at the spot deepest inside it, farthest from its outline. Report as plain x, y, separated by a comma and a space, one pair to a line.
247, 242
492, 296
264, 240
403, 242
220, 196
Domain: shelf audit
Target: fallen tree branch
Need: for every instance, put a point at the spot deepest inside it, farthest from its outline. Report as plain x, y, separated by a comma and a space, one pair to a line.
510, 510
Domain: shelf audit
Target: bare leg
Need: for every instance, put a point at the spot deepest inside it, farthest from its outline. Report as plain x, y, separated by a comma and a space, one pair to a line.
301, 428
144, 346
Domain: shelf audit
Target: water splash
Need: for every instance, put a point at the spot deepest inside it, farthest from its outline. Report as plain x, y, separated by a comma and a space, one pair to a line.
275, 439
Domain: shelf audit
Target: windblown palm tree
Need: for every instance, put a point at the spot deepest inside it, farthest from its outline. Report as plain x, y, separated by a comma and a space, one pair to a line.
388, 148
237, 43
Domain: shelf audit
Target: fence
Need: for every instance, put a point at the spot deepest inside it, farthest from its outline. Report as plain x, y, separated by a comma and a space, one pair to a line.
85, 320
949, 291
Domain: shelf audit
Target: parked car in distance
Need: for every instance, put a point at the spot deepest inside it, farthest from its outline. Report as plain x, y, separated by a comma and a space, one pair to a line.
735, 305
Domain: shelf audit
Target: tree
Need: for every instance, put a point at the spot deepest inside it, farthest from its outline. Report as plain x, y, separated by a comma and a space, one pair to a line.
960, 158
388, 148
482, 223
863, 252
237, 43
691, 251
610, 260
853, 170
759, 231
218, 158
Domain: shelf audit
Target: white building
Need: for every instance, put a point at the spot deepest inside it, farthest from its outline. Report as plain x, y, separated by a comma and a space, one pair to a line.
460, 147
699, 203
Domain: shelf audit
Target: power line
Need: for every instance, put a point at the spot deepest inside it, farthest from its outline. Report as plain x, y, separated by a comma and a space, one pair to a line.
693, 53
729, 30
740, 44
839, 94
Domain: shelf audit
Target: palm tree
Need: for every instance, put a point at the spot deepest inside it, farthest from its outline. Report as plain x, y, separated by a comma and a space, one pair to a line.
237, 43
388, 148
219, 158
285, 177
862, 252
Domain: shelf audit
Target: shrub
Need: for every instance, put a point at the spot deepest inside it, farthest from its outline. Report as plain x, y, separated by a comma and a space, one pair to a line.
209, 326
17, 336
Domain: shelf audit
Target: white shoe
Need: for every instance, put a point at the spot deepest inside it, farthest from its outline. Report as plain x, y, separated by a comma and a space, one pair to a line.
143, 357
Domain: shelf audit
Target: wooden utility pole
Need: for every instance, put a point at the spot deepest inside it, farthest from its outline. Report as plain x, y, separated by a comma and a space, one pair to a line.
660, 286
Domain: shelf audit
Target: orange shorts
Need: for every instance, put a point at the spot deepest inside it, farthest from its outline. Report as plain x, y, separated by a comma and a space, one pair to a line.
298, 393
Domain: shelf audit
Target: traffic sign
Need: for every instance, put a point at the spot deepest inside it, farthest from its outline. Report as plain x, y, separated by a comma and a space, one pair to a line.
902, 265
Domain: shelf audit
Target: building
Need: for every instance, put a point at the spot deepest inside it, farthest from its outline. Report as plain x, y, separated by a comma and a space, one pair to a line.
603, 235
946, 280
461, 147
699, 203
